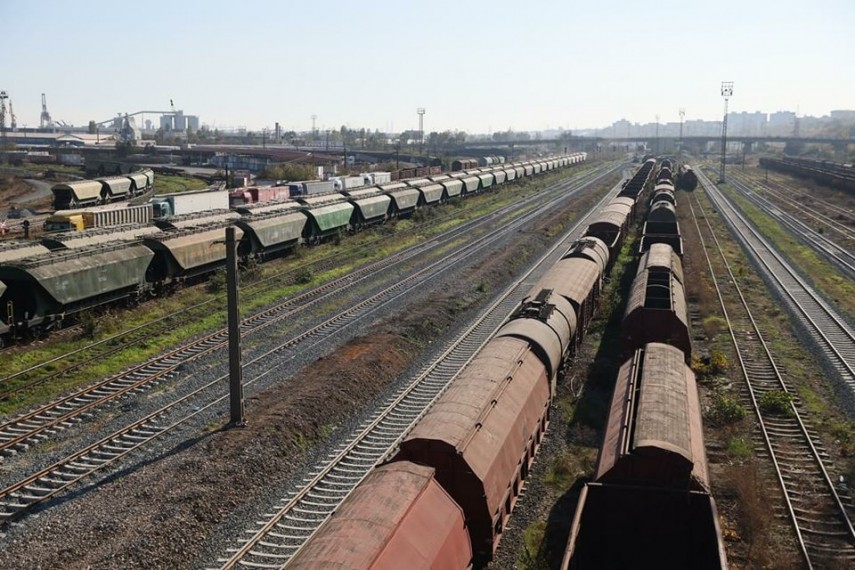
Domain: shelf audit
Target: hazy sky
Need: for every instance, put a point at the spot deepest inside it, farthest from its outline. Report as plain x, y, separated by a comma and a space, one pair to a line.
474, 65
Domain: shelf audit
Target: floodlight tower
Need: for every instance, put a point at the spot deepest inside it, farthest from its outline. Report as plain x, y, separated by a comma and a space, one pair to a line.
682, 112
726, 92
421, 112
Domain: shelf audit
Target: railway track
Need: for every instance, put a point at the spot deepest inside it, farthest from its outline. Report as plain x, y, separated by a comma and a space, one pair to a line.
834, 338
21, 496
129, 337
20, 433
47, 370
818, 510
819, 210
838, 254
302, 511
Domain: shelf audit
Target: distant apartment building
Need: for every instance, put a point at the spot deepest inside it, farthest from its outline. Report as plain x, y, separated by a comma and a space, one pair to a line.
781, 123
747, 124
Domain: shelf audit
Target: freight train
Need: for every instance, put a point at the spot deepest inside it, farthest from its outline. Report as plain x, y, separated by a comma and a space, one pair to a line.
686, 178
459, 164
82, 193
443, 500
43, 284
649, 504
825, 172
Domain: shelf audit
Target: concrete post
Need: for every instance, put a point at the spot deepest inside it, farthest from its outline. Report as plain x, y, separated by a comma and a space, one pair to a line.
236, 406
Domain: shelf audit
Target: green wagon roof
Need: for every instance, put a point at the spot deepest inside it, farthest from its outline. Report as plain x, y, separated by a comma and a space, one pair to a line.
275, 229
472, 183
432, 193
191, 250
332, 216
72, 277
405, 198
373, 206
453, 186
486, 180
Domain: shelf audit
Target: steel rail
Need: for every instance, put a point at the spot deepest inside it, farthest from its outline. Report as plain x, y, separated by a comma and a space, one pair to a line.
824, 246
781, 434
46, 483
303, 510
827, 329
781, 191
17, 434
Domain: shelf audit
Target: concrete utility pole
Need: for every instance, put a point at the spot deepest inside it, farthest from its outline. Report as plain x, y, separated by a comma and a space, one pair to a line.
236, 407
658, 149
421, 112
726, 92
682, 112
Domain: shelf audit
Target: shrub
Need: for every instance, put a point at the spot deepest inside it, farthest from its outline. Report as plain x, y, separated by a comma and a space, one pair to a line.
304, 276
706, 366
726, 410
89, 324
776, 402
217, 282
250, 271
718, 362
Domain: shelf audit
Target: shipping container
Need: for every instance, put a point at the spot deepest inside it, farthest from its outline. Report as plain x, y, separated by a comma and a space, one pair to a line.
168, 205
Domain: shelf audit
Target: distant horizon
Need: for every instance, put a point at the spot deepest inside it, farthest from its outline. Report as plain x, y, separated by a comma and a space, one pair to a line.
476, 66
213, 126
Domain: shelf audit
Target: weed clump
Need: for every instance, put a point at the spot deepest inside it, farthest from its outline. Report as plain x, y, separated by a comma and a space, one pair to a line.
777, 403
217, 282
304, 276
715, 363
726, 410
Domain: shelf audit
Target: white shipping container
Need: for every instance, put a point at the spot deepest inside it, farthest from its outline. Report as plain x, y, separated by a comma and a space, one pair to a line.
352, 182
182, 203
381, 177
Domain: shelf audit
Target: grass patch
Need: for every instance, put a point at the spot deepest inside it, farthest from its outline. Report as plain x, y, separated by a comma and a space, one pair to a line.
357, 250
822, 274
739, 447
713, 325
170, 183
532, 556
569, 466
